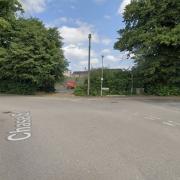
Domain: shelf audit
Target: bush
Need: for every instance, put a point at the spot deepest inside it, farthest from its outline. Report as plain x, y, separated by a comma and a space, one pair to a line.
118, 82
33, 54
80, 91
9, 87
164, 90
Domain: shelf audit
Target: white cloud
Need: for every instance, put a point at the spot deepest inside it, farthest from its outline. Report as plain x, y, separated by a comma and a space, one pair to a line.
34, 6
76, 46
76, 43
115, 57
106, 51
74, 35
76, 53
78, 34
123, 5
127, 65
73, 52
106, 41
83, 63
78, 56
94, 61
112, 58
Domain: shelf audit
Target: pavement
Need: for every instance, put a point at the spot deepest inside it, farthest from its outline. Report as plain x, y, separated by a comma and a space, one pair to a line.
62, 90
72, 138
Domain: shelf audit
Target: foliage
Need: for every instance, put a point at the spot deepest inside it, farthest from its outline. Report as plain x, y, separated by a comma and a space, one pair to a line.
118, 81
152, 33
12, 87
9, 8
164, 90
30, 53
80, 91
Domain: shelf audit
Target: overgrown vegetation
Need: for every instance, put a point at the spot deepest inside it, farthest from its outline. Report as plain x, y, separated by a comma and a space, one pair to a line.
80, 90
31, 56
152, 34
118, 81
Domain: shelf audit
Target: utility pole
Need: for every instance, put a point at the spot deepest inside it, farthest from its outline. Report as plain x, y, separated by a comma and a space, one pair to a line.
102, 75
89, 65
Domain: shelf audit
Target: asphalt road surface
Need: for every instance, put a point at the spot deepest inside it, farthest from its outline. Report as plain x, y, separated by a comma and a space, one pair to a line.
68, 138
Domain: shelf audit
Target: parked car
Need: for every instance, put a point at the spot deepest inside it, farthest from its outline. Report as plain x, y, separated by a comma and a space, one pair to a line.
71, 84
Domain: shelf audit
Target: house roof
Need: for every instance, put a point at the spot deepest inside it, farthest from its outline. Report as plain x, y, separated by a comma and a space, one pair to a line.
80, 72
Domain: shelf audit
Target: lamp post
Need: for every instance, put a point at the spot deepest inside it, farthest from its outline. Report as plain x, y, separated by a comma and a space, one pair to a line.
89, 64
102, 75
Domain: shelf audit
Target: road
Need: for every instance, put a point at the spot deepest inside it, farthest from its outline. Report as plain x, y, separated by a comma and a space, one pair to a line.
89, 138
62, 89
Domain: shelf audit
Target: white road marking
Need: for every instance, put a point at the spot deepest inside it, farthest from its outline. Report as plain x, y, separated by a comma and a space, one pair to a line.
153, 118
168, 124
23, 127
175, 123
170, 121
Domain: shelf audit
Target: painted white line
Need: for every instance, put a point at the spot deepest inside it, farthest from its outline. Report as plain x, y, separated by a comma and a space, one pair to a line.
23, 127
150, 118
170, 121
153, 118
168, 124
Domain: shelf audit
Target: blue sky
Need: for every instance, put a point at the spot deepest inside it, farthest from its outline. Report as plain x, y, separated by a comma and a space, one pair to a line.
75, 19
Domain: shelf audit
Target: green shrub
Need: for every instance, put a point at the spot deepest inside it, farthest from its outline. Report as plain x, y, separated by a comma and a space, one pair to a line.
118, 82
9, 87
164, 90
80, 91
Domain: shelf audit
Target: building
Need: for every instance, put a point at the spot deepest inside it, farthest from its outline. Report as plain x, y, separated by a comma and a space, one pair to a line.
79, 74
67, 73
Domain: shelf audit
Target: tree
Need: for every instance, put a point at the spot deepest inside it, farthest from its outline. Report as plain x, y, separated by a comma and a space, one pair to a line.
152, 33
8, 10
31, 56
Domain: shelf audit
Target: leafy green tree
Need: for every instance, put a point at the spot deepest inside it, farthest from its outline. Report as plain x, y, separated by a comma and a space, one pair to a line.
152, 33
31, 56
8, 9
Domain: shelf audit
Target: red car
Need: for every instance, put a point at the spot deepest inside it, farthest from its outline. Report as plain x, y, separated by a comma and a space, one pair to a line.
71, 84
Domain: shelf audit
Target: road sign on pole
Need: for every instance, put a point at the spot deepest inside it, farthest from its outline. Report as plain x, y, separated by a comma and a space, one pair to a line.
105, 89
